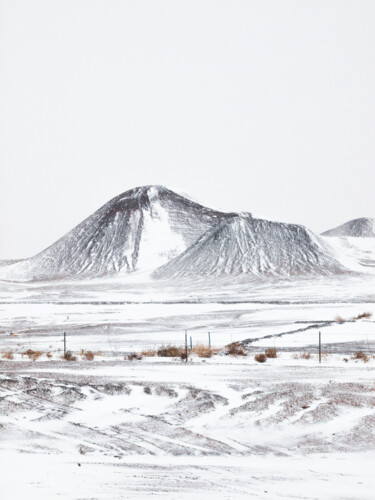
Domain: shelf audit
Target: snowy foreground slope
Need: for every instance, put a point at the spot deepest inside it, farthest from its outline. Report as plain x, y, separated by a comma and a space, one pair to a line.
216, 429
151, 228
358, 228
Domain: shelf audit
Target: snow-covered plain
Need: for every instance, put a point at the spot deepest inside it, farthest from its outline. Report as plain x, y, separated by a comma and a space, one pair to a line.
222, 427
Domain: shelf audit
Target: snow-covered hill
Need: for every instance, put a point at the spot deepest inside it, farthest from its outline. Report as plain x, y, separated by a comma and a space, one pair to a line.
361, 228
140, 229
244, 245
153, 229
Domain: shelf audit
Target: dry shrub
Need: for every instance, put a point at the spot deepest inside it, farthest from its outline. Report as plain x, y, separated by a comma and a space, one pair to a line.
302, 355
365, 315
133, 356
339, 319
204, 351
49, 355
149, 353
28, 353
271, 352
361, 355
171, 351
98, 353
8, 355
261, 358
89, 355
34, 355
68, 356
236, 349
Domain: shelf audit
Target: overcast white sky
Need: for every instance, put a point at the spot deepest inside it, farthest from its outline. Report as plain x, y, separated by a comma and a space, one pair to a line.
261, 106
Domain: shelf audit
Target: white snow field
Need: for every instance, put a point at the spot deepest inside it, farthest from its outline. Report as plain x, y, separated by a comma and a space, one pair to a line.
105, 422
219, 427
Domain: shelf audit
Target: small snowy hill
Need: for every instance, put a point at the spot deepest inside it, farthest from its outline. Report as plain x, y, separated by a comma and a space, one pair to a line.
363, 227
243, 245
140, 229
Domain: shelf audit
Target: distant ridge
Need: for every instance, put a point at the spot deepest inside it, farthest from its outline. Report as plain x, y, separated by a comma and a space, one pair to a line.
359, 228
257, 247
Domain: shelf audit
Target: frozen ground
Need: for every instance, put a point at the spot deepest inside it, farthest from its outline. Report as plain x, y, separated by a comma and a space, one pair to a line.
217, 428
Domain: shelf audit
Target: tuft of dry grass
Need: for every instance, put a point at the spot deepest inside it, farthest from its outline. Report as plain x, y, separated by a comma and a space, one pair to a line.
360, 355
7, 355
340, 319
204, 351
133, 356
49, 355
235, 349
149, 353
261, 358
89, 355
170, 351
34, 355
365, 315
271, 352
69, 356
